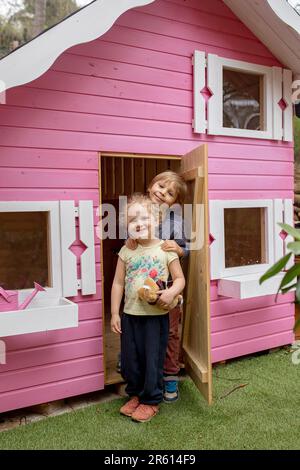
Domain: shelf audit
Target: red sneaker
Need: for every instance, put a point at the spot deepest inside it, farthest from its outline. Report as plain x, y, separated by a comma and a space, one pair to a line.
130, 406
144, 413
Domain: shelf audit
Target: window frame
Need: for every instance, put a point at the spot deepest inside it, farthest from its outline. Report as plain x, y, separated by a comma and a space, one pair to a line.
217, 229
216, 65
54, 244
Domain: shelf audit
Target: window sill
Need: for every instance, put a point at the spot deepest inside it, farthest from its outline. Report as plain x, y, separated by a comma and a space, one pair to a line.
247, 286
61, 313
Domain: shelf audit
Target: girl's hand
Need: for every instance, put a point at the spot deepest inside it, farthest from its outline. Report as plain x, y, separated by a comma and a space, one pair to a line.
171, 245
165, 299
131, 244
115, 324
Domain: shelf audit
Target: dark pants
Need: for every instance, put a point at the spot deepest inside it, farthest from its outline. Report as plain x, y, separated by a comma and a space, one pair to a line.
171, 365
143, 349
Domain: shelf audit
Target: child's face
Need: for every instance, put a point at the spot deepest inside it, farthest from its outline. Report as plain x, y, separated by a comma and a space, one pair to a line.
140, 222
163, 192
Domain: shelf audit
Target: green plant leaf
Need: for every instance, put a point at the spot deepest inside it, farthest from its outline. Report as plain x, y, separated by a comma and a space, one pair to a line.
276, 268
295, 233
294, 247
293, 272
286, 289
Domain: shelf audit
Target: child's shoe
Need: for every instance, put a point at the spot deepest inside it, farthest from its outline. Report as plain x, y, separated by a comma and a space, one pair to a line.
129, 408
171, 393
144, 413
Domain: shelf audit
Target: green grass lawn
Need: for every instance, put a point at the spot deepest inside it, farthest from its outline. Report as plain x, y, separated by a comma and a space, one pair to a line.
265, 414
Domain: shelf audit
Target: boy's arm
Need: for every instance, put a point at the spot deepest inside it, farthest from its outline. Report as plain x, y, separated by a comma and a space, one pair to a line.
116, 296
168, 295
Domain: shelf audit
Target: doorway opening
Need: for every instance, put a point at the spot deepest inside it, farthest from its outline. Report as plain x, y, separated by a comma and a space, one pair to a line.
122, 175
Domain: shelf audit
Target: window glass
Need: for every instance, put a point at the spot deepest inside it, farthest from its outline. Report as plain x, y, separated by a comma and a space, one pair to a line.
24, 250
245, 237
243, 100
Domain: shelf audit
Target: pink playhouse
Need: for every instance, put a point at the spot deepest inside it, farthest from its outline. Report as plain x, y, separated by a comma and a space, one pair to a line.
92, 109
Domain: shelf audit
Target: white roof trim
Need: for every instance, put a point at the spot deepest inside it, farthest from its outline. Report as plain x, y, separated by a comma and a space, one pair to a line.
34, 58
286, 13
276, 24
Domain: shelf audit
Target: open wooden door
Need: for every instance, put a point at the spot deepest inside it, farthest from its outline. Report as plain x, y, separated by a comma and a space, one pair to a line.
196, 328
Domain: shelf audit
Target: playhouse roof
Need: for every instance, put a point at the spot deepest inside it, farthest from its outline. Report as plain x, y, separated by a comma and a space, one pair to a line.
274, 22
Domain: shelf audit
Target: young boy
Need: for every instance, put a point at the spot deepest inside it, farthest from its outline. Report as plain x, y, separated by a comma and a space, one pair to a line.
144, 328
168, 189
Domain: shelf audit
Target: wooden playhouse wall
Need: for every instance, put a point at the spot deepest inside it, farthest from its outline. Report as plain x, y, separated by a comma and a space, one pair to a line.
131, 91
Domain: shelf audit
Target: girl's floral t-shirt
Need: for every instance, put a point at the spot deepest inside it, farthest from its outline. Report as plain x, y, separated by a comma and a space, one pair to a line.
141, 263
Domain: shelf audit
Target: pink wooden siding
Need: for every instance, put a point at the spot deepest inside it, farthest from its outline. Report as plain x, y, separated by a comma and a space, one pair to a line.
131, 91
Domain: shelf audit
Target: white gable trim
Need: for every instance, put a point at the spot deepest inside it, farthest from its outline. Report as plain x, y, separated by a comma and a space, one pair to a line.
273, 22
34, 58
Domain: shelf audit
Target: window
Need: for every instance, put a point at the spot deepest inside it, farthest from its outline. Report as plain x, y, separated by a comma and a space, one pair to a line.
24, 250
246, 241
30, 246
243, 99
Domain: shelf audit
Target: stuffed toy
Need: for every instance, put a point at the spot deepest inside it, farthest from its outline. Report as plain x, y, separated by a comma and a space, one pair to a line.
149, 293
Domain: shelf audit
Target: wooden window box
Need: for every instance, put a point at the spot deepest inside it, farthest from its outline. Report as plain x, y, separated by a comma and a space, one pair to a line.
44, 315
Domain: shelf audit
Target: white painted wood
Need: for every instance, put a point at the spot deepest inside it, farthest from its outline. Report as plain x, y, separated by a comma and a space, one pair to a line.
215, 103
247, 286
217, 249
216, 228
286, 13
44, 316
288, 219
35, 57
52, 208
277, 111
288, 112
265, 18
88, 266
199, 64
68, 237
278, 218
215, 68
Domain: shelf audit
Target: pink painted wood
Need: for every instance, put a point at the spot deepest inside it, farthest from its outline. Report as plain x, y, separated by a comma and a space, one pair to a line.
131, 91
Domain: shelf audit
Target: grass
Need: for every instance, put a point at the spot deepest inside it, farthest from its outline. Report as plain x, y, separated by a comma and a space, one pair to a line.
262, 415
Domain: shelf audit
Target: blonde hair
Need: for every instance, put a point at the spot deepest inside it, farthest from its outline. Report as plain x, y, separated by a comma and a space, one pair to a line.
176, 179
143, 200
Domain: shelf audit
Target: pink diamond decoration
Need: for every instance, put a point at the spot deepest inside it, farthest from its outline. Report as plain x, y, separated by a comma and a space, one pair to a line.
77, 250
211, 239
282, 104
206, 93
283, 234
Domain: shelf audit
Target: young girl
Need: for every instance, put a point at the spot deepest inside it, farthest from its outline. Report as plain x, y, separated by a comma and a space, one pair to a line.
144, 328
167, 189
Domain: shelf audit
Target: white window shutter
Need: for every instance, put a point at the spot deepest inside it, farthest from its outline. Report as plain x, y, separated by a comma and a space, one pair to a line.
199, 63
278, 218
216, 228
288, 219
86, 229
68, 237
277, 96
288, 112
215, 102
